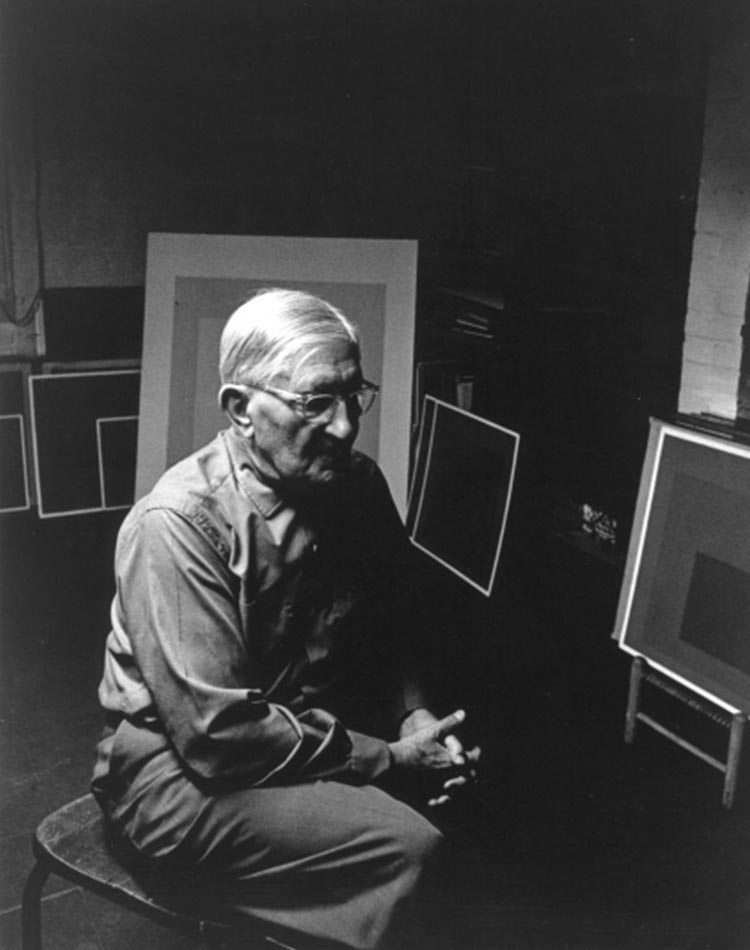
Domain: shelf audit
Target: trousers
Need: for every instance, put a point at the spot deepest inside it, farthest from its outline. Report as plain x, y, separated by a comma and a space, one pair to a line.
341, 864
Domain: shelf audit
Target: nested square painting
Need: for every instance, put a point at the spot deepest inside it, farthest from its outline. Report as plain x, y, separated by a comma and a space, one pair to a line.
193, 284
685, 600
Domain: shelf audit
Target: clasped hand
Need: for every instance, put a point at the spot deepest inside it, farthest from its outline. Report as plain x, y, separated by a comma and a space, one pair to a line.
430, 746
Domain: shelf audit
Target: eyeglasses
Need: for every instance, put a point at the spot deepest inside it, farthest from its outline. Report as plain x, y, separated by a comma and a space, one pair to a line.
321, 407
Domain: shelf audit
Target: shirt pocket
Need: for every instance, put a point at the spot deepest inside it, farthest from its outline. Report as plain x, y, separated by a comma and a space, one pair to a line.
273, 622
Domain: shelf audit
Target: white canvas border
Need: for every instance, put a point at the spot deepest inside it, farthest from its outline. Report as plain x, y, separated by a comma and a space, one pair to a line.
441, 404
659, 433
19, 417
23, 368
100, 422
32, 416
391, 263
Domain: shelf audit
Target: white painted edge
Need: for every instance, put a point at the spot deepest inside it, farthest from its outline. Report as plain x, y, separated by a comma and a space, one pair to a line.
332, 260
699, 438
100, 422
19, 417
37, 477
693, 687
440, 404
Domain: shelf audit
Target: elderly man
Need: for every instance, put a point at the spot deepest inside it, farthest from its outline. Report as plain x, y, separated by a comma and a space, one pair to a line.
258, 687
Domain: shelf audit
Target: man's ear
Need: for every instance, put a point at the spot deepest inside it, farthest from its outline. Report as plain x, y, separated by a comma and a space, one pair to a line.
234, 401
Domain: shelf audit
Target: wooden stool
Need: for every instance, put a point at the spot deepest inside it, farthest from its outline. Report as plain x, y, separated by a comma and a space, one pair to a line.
71, 843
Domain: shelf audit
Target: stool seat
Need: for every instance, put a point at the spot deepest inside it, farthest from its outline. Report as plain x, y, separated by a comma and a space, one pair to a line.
72, 844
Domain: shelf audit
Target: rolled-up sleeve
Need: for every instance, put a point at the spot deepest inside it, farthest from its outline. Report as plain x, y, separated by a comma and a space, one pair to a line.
176, 608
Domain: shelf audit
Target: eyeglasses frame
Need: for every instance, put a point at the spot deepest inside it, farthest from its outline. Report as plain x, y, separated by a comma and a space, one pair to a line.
299, 400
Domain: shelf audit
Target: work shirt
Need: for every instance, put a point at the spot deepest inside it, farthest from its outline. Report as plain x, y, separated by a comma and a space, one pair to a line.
245, 623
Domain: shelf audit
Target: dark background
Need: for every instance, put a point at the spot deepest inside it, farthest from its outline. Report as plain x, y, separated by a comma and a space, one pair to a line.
546, 155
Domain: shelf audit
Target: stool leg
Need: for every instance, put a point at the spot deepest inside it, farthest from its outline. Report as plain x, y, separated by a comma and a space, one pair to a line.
31, 908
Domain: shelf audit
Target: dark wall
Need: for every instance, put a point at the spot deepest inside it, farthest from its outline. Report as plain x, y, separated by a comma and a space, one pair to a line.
563, 135
543, 151
325, 118
582, 139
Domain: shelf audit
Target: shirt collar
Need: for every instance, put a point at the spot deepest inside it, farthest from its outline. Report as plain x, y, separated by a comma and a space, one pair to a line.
261, 494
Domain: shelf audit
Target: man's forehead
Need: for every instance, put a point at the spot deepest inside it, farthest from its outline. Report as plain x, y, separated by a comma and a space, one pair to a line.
328, 365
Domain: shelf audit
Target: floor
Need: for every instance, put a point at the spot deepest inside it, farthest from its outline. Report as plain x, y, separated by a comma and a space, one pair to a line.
574, 840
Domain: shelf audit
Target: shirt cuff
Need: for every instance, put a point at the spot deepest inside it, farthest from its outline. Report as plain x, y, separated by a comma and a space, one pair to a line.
369, 757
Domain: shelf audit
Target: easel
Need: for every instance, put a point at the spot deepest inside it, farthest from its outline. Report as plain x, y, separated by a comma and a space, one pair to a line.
736, 723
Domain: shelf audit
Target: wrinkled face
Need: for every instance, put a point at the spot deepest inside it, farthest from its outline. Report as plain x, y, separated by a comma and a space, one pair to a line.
300, 454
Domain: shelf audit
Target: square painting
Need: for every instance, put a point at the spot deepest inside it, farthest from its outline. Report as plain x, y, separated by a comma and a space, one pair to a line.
685, 599
195, 282
463, 480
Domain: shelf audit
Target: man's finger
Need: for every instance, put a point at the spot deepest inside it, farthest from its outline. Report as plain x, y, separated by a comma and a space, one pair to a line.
455, 749
473, 755
445, 726
455, 782
440, 800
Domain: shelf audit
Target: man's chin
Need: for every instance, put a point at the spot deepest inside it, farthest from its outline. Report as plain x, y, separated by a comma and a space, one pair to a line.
325, 474
330, 470
331, 473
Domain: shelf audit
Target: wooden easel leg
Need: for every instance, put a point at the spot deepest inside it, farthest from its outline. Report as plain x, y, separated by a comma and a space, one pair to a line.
736, 735
637, 671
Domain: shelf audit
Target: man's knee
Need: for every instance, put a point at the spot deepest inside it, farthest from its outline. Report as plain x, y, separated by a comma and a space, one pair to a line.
421, 843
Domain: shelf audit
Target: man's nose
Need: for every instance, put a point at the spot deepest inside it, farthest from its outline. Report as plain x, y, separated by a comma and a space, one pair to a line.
345, 422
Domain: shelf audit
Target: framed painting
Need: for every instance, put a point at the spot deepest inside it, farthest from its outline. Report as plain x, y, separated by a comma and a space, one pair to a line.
15, 487
84, 430
460, 496
14, 476
685, 598
195, 282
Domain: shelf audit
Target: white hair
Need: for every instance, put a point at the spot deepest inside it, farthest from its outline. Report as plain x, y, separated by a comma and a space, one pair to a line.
277, 329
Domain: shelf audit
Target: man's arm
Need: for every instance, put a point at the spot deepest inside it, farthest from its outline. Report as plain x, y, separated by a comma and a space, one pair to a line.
424, 746
177, 606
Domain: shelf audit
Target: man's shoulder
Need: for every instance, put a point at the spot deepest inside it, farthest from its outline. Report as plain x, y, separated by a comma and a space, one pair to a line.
193, 480
199, 489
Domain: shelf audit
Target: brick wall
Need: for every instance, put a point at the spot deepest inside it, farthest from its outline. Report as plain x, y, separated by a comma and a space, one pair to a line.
712, 356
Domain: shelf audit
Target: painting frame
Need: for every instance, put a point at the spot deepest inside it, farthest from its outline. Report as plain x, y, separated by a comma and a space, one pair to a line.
682, 604
222, 263
18, 419
49, 468
14, 403
480, 465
